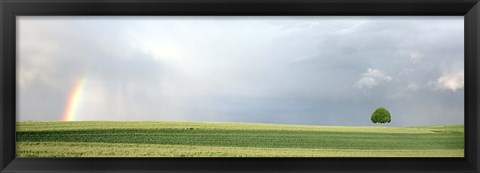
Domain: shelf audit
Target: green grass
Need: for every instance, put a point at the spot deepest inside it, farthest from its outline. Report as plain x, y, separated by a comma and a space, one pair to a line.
201, 139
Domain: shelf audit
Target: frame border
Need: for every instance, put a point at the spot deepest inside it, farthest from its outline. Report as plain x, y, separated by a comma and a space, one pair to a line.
9, 9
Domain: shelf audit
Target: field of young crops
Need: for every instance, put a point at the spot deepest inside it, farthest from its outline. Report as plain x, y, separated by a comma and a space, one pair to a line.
201, 139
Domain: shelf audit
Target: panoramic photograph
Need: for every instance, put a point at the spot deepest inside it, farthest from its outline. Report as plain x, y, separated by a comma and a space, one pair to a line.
240, 86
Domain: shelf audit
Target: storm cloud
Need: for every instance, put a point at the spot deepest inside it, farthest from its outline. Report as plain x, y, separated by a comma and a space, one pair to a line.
319, 70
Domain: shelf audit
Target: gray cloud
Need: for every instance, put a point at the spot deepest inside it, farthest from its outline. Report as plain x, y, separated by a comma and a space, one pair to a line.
372, 78
295, 70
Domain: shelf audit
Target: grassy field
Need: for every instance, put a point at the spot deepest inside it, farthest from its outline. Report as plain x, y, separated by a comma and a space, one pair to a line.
202, 139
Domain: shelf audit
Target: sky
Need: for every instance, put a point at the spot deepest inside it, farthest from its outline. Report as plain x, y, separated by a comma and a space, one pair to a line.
312, 70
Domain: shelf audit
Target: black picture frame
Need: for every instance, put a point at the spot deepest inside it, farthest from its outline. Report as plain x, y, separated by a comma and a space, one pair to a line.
9, 9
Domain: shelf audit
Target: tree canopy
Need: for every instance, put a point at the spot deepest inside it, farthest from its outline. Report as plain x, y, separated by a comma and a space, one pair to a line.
381, 115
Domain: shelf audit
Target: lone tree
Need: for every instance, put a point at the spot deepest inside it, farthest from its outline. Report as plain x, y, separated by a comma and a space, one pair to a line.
381, 115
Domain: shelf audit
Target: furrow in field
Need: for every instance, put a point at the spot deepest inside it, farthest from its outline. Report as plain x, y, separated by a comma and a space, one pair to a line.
82, 125
252, 138
68, 149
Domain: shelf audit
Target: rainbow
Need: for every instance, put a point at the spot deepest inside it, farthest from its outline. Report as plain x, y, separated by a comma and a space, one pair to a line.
74, 100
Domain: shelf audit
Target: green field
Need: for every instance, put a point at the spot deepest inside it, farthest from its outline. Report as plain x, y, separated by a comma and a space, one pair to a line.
206, 139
